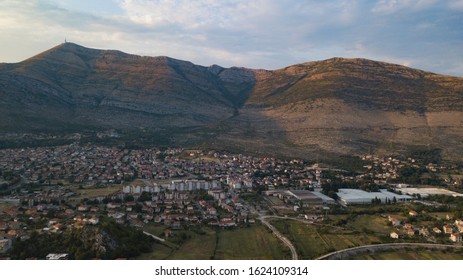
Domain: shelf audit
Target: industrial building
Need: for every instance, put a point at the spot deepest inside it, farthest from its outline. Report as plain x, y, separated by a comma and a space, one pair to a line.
355, 196
303, 198
306, 197
425, 192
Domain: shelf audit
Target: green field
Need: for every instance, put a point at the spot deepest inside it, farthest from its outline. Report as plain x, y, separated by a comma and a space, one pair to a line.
159, 252
371, 223
92, 193
182, 245
255, 242
411, 255
313, 241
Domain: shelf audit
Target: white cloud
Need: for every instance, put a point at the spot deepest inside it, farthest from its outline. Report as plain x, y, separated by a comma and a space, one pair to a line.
189, 14
456, 5
392, 6
254, 33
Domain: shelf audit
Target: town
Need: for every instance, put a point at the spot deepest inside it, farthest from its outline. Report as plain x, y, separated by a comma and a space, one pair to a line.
51, 190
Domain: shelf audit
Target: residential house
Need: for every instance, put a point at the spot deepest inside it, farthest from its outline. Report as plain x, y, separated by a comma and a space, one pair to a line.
408, 226
12, 232
94, 220
3, 226
212, 211
448, 229
459, 224
176, 225
456, 237
394, 235
413, 213
394, 221
82, 208
424, 232
57, 227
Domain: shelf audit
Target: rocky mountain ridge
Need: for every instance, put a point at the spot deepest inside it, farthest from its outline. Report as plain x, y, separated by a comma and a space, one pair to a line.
336, 106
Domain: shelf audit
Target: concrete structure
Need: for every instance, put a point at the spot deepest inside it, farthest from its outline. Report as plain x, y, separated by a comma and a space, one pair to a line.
355, 196
324, 198
306, 197
139, 189
175, 185
303, 197
425, 192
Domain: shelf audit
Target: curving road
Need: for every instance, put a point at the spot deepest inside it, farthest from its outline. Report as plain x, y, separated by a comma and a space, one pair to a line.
281, 237
385, 246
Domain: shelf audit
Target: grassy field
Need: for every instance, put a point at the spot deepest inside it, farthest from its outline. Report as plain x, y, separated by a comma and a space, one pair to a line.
183, 245
198, 247
313, 241
159, 252
255, 242
92, 193
371, 223
155, 230
206, 243
411, 255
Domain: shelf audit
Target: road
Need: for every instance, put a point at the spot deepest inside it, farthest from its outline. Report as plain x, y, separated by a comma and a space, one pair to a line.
385, 246
154, 236
281, 237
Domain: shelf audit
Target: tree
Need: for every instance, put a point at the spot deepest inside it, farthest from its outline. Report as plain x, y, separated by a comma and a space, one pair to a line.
145, 196
128, 198
333, 195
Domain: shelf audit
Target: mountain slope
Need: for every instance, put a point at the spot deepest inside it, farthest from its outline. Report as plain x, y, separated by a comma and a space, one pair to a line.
91, 84
335, 106
356, 105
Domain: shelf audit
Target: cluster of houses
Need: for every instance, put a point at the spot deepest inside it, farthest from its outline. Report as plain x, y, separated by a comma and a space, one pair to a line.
89, 165
134, 205
383, 168
454, 230
171, 204
79, 164
18, 222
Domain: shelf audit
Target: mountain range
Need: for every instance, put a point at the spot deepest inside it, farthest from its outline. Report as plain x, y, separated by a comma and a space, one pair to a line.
330, 107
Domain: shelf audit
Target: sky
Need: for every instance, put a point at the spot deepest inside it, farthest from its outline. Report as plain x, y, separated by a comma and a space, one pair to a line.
268, 34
